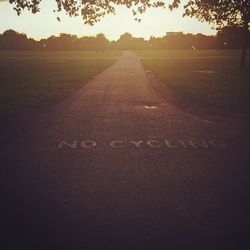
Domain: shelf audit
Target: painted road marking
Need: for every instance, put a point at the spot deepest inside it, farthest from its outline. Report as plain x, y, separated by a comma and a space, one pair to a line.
154, 144
150, 107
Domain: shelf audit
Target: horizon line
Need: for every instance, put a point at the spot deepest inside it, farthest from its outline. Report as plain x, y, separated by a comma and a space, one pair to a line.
106, 35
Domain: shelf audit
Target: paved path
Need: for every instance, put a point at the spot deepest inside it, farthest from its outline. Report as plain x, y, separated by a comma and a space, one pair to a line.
116, 166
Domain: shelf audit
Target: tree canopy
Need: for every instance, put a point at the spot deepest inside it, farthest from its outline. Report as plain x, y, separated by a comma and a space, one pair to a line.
91, 10
217, 12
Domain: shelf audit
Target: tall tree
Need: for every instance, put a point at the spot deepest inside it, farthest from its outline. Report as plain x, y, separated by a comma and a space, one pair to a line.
221, 13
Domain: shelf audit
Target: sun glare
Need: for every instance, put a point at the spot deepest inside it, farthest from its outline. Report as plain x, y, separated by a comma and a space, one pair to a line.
155, 22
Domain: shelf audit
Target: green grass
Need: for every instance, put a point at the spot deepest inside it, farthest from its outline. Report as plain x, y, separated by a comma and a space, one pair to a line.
30, 81
225, 84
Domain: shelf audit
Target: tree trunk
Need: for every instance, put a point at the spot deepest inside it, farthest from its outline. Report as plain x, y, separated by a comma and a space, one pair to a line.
245, 46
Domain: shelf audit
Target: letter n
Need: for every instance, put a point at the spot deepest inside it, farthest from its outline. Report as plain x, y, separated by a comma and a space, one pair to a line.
67, 144
201, 144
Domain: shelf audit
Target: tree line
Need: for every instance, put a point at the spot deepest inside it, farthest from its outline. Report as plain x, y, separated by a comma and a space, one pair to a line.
226, 38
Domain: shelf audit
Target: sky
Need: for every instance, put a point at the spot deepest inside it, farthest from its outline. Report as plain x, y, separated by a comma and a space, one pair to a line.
155, 22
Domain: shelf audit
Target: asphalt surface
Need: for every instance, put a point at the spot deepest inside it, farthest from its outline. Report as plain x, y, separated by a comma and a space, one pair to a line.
117, 166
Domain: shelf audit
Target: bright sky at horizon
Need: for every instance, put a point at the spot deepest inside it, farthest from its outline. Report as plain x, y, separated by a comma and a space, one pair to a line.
155, 22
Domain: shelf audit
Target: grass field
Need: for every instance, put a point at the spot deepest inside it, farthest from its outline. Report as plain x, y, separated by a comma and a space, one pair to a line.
30, 80
209, 76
